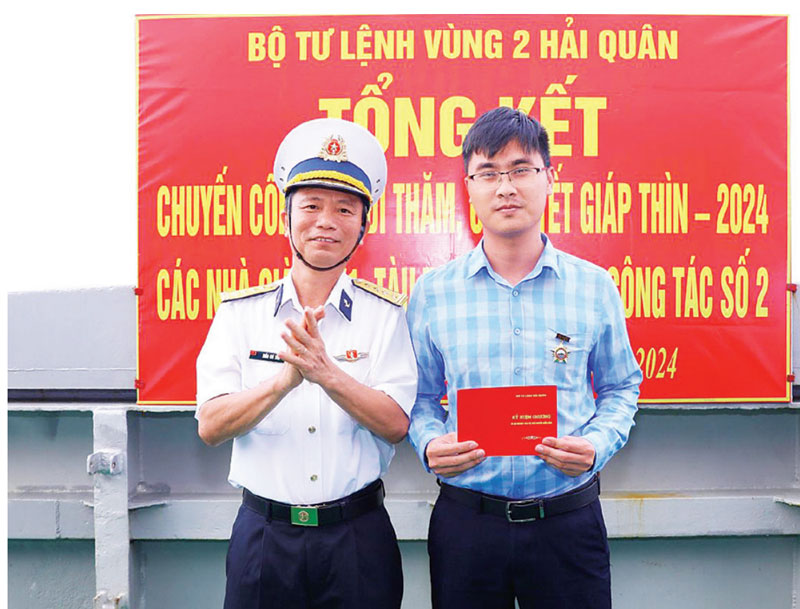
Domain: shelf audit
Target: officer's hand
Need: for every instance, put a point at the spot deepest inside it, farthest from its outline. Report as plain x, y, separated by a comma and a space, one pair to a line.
568, 454
290, 376
447, 457
307, 349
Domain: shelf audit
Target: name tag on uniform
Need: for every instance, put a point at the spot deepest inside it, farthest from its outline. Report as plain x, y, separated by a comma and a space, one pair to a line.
265, 356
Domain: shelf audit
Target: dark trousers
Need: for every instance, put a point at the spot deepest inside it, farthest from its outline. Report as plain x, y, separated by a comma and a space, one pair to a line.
483, 561
353, 563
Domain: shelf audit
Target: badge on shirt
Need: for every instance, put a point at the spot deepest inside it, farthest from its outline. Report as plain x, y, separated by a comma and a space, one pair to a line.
265, 356
351, 355
560, 354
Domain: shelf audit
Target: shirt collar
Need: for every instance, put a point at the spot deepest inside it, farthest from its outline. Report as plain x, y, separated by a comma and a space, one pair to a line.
286, 294
340, 298
548, 259
477, 260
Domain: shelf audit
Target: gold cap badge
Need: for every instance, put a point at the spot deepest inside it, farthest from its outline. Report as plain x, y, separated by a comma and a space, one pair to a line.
334, 149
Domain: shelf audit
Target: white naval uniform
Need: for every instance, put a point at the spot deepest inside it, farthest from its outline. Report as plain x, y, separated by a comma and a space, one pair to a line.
308, 449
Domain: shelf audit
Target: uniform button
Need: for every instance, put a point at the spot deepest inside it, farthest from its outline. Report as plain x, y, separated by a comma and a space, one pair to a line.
313, 477
517, 331
517, 370
312, 429
515, 293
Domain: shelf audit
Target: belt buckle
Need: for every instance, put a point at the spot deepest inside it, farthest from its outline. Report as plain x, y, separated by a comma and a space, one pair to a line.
512, 504
304, 516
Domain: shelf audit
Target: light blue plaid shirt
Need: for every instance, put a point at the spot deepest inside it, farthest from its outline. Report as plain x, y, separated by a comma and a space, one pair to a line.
470, 327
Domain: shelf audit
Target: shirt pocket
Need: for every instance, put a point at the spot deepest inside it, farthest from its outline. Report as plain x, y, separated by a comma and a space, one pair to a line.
279, 418
356, 363
566, 361
277, 422
479, 364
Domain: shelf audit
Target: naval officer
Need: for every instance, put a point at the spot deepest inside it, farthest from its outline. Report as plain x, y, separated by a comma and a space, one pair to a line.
313, 378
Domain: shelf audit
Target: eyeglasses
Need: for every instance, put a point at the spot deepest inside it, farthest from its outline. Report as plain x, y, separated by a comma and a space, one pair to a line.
520, 175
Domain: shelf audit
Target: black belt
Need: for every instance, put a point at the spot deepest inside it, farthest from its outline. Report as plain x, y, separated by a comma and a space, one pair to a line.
360, 502
527, 509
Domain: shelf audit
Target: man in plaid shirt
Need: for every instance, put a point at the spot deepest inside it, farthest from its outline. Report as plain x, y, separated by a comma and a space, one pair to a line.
516, 311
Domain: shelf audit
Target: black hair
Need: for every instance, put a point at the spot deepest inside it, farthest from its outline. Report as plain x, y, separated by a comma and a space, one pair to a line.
496, 128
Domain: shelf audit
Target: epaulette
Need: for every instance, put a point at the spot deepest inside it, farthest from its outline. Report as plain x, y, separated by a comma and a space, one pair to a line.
395, 298
248, 292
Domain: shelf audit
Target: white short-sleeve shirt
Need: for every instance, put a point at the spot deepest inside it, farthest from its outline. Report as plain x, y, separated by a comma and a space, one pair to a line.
308, 449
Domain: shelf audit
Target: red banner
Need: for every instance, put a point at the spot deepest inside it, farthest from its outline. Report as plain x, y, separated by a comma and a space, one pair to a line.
668, 135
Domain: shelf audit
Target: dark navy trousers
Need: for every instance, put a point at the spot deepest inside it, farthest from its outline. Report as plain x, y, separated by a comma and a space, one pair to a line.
482, 561
353, 563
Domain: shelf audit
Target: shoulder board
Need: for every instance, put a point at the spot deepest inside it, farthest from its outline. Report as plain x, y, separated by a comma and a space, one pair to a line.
385, 294
256, 290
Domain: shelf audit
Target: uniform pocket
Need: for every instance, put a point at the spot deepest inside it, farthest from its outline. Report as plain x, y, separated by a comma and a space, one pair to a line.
277, 421
256, 370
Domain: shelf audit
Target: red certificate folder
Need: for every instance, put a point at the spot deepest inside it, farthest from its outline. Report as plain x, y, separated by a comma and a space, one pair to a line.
507, 421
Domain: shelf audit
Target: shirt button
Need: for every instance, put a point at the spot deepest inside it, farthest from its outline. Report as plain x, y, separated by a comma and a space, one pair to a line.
517, 370
515, 293
517, 331
312, 429
313, 477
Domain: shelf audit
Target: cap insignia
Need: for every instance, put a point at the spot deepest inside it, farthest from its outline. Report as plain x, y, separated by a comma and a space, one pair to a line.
334, 149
